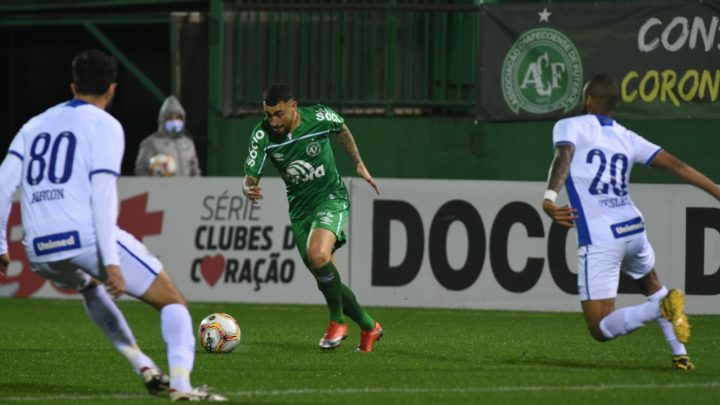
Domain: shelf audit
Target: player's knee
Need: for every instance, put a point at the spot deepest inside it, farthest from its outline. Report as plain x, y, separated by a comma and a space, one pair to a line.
162, 292
318, 257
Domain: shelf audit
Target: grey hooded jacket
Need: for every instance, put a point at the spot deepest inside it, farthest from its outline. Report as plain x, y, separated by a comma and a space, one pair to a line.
179, 146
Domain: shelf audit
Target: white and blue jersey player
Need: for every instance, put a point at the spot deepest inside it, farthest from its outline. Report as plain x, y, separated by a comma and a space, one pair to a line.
68, 153
594, 156
609, 225
66, 162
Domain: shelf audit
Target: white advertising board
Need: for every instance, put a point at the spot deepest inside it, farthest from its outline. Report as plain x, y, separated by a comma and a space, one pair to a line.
421, 243
215, 245
487, 244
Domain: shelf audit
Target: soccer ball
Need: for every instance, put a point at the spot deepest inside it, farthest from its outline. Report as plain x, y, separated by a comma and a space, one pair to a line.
162, 165
219, 333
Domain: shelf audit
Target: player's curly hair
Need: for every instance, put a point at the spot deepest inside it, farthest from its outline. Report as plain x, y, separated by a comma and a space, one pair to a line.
276, 93
605, 90
93, 72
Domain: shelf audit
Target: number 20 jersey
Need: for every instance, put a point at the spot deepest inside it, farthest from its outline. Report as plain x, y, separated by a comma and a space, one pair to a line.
61, 150
598, 183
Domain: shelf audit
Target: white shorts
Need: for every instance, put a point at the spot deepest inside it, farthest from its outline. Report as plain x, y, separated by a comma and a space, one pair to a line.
599, 266
138, 266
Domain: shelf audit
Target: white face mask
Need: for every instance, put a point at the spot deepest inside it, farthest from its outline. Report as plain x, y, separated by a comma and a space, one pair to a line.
174, 126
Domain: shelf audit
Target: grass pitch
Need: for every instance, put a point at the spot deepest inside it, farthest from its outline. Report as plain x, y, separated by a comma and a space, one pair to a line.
51, 353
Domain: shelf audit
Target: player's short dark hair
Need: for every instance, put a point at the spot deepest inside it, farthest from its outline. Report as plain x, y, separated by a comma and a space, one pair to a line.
93, 72
605, 90
276, 93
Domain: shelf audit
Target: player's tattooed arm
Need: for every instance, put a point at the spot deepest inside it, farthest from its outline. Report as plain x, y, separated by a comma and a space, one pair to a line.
560, 167
251, 190
559, 171
348, 143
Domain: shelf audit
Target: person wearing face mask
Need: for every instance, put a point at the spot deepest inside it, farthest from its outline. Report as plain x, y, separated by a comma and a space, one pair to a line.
169, 145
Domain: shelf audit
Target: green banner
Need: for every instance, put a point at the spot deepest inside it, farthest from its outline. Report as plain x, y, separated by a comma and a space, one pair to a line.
536, 58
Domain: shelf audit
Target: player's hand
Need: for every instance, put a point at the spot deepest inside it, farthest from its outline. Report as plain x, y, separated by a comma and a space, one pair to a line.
4, 263
365, 174
564, 215
253, 193
115, 283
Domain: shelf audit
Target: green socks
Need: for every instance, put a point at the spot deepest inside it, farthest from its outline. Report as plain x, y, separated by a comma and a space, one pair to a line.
328, 281
354, 310
340, 299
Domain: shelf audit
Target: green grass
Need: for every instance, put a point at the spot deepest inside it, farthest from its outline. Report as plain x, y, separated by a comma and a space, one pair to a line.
51, 353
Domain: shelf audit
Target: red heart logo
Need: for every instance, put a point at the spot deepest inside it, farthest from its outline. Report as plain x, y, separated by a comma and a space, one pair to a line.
212, 268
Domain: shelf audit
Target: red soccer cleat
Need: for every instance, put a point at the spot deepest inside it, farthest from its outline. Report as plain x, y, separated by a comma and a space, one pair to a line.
335, 334
369, 337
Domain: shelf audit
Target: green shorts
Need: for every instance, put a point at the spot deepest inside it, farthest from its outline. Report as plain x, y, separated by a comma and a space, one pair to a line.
331, 215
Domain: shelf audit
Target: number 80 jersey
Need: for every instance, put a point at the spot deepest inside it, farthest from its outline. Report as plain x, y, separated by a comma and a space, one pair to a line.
61, 150
597, 185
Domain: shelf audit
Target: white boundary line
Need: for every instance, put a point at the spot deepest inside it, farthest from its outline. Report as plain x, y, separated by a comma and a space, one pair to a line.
528, 388
398, 390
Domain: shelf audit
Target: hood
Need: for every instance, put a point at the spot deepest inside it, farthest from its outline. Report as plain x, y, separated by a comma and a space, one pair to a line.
171, 105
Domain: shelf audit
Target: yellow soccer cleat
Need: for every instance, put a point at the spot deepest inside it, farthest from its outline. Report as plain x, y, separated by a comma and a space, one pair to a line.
672, 307
682, 363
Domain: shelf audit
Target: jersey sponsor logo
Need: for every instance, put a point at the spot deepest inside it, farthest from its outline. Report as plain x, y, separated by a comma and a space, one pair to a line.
48, 195
542, 73
278, 156
313, 149
631, 227
300, 171
59, 242
327, 115
252, 156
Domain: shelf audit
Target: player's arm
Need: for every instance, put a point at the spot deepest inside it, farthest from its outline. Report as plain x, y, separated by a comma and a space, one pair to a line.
11, 175
348, 144
251, 189
559, 171
684, 171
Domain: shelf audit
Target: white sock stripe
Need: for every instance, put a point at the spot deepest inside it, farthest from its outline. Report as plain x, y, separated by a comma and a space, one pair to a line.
179, 372
659, 294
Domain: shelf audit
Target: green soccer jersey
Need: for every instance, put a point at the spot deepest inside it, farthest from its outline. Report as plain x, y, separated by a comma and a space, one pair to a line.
304, 159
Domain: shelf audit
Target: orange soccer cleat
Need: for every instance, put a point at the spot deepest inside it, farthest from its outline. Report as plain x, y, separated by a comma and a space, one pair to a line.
369, 337
335, 334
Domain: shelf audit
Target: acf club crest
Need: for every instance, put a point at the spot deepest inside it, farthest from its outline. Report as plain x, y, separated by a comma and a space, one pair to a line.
542, 73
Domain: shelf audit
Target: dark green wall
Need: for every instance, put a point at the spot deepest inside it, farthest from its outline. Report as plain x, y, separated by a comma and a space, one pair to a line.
457, 148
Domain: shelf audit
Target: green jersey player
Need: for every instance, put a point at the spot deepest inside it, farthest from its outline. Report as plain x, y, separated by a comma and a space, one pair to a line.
296, 141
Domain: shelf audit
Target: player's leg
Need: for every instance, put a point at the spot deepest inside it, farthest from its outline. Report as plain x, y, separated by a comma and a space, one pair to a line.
352, 308
671, 304
598, 280
651, 287
103, 311
146, 279
328, 224
318, 254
